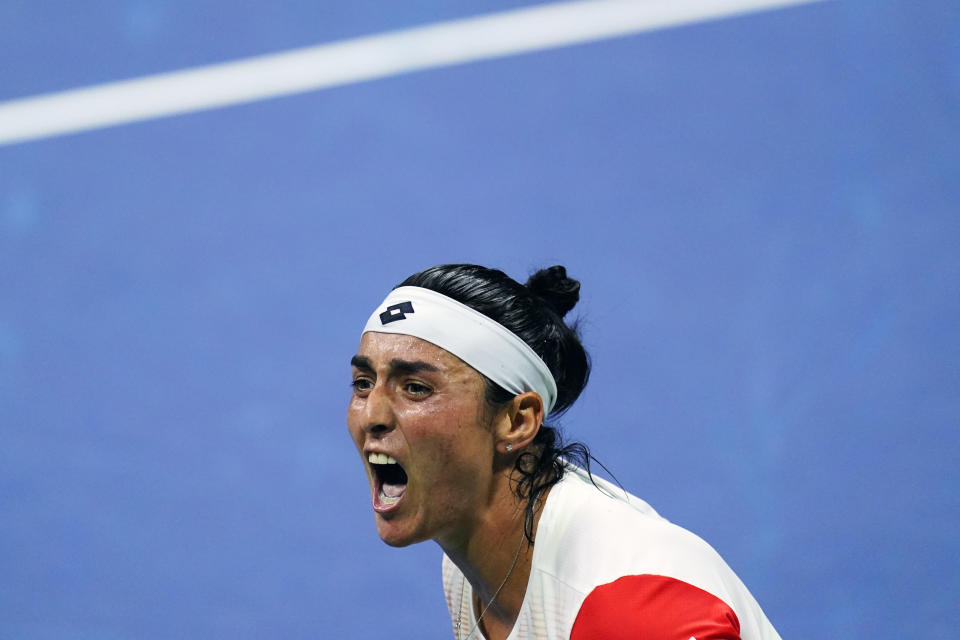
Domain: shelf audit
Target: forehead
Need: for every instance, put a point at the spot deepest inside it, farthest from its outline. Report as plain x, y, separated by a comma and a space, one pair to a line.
383, 348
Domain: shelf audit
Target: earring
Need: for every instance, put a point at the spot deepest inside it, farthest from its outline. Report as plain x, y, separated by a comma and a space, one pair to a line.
509, 447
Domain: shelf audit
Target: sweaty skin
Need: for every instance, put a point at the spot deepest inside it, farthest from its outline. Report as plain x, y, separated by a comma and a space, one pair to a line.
425, 408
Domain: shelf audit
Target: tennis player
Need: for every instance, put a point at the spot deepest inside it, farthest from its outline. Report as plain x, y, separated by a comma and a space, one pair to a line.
456, 372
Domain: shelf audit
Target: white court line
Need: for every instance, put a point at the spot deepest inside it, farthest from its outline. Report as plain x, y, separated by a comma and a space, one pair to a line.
355, 60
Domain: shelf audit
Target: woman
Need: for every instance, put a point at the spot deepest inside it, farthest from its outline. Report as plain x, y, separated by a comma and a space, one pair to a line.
456, 371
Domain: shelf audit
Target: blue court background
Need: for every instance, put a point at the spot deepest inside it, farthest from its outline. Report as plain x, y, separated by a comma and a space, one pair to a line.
763, 214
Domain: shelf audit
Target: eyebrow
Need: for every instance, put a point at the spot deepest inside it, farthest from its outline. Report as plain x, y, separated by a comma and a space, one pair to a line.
361, 362
408, 367
397, 366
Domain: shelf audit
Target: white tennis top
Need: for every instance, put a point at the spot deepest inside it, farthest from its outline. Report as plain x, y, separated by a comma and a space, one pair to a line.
606, 565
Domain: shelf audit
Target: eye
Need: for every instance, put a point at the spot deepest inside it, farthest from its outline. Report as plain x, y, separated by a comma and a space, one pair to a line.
361, 385
417, 389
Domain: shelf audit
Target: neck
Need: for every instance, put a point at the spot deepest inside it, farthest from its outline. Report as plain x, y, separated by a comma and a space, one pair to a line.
496, 558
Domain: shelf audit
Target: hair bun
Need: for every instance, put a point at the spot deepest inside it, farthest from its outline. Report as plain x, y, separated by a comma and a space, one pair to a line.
553, 286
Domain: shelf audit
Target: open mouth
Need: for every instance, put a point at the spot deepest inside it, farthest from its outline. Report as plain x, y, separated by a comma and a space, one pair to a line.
390, 480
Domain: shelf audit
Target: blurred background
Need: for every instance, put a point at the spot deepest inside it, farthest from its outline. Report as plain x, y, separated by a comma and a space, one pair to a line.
762, 211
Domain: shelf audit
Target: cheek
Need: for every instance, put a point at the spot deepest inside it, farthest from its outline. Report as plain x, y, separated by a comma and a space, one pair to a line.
353, 424
451, 439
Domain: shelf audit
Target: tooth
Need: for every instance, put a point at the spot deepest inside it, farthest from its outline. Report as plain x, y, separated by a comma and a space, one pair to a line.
387, 500
380, 458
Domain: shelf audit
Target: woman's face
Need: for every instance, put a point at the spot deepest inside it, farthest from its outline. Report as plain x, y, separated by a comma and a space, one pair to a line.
417, 417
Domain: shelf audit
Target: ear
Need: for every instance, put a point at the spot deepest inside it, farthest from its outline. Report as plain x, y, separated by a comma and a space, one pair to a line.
521, 422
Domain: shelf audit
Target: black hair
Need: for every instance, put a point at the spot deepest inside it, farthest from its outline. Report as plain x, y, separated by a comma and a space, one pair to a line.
534, 312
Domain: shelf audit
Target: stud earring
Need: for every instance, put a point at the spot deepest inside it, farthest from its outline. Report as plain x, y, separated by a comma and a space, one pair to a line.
509, 447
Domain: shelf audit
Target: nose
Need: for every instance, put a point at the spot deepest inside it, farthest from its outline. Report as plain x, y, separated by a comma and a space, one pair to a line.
377, 415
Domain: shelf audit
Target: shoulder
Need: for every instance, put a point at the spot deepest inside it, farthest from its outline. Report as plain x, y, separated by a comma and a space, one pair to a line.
623, 558
593, 535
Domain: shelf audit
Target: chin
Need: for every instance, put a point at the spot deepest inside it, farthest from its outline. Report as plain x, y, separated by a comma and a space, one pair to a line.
391, 536
398, 543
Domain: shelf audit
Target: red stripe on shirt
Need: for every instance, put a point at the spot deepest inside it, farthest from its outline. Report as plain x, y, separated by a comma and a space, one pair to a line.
648, 607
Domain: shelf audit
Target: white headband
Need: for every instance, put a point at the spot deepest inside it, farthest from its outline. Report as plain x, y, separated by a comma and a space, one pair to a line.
485, 345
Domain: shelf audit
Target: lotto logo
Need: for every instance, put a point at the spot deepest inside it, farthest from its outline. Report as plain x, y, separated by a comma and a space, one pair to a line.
396, 312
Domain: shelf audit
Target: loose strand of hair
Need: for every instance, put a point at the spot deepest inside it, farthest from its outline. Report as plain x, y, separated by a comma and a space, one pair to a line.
538, 473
